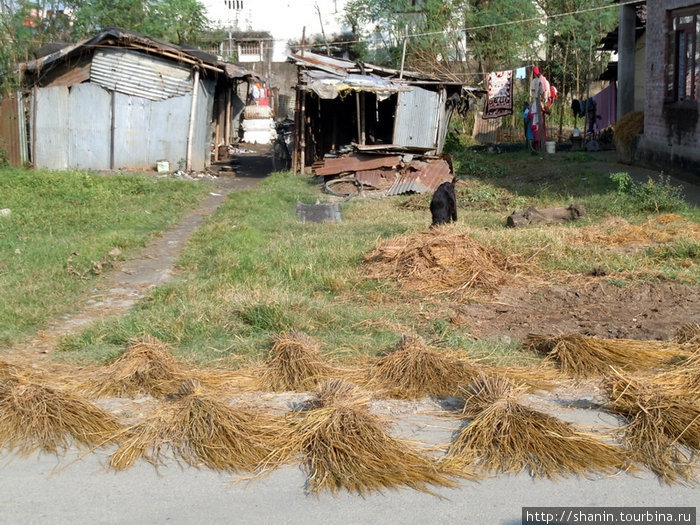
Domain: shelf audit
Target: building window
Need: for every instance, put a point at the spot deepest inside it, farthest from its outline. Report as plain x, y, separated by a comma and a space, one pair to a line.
683, 55
249, 48
234, 5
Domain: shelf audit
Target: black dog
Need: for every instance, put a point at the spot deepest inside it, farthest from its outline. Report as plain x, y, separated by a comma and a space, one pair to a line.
443, 205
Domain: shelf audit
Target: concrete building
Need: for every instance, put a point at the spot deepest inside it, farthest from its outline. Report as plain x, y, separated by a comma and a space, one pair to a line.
284, 20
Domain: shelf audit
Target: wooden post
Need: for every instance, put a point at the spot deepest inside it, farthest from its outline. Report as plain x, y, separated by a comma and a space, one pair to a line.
227, 123
359, 117
302, 137
297, 129
403, 51
363, 119
193, 115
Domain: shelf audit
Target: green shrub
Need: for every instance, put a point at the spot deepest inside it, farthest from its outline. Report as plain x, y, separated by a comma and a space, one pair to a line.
653, 196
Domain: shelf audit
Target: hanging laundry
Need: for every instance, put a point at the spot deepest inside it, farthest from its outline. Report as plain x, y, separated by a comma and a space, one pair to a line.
499, 93
578, 107
606, 107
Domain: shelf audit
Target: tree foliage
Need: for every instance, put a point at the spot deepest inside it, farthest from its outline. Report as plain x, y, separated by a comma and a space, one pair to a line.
480, 35
26, 26
176, 21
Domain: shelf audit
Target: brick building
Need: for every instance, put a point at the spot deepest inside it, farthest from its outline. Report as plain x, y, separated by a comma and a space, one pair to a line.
671, 125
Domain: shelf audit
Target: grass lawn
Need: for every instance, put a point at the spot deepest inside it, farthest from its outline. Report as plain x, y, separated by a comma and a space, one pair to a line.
253, 270
54, 215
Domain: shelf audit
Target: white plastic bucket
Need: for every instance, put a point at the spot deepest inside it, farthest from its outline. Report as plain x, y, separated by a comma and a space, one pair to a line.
551, 146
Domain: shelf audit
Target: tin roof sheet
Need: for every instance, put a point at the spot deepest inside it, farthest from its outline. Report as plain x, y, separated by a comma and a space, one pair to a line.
120, 38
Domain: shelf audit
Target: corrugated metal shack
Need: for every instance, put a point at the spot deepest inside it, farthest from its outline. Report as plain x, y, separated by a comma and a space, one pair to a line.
122, 100
385, 127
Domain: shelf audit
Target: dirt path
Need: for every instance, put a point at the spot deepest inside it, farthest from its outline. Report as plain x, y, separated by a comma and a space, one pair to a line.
648, 311
155, 265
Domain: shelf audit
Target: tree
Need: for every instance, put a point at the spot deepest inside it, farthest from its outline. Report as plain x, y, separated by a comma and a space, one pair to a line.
495, 39
25, 26
177, 21
448, 36
572, 58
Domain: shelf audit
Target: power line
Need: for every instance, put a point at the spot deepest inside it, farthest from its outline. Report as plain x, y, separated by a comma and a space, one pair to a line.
484, 26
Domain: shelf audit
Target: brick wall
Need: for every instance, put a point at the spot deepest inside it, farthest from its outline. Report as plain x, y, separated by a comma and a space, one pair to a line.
660, 130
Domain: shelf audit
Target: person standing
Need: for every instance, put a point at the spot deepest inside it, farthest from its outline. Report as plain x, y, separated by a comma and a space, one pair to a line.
539, 98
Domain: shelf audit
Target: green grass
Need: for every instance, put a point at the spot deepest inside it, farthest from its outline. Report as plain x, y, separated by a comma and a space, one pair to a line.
56, 214
253, 269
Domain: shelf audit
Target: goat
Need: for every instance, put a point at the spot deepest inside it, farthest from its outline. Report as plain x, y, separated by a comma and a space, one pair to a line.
443, 205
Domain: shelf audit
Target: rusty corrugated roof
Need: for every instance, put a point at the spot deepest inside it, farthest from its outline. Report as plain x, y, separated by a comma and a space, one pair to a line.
120, 37
421, 177
380, 179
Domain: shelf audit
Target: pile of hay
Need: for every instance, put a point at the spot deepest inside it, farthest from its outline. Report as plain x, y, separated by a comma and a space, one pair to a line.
659, 423
628, 127
8, 370
682, 380
581, 356
37, 417
201, 430
439, 261
503, 435
413, 370
145, 368
345, 446
294, 363
658, 229
688, 334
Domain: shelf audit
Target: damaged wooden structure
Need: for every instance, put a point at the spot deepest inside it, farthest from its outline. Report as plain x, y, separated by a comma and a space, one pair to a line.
122, 100
383, 127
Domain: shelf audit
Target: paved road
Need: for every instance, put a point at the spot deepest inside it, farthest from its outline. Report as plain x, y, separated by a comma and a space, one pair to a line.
83, 494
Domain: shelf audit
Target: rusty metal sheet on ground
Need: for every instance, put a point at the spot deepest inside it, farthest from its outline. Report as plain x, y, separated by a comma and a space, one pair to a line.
421, 177
357, 162
378, 179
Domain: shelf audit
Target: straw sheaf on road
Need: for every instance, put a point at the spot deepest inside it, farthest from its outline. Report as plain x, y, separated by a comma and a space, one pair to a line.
581, 356
501, 434
38, 417
202, 431
663, 427
344, 446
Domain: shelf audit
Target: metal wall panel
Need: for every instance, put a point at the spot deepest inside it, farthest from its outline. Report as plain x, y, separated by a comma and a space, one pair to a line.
147, 131
134, 73
168, 130
132, 117
50, 120
89, 122
417, 118
201, 144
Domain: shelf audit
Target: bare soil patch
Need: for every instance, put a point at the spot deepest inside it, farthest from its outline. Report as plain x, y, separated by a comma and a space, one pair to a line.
647, 310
